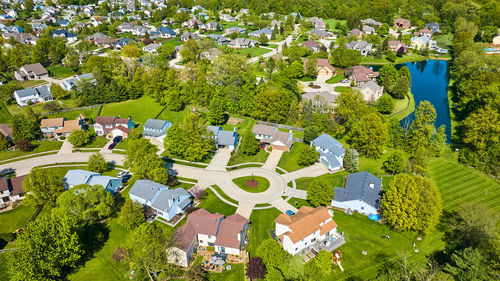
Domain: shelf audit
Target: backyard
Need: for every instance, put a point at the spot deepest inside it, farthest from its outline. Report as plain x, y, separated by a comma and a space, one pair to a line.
213, 204
253, 52
4, 113
14, 219
58, 71
140, 109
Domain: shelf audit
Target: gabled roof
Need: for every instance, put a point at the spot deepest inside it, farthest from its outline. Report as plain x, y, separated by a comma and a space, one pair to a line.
327, 142
161, 202
105, 120
205, 222
264, 130
360, 186
52, 122
5, 130
101, 180
305, 222
156, 124
76, 177
36, 68
229, 230
323, 96
145, 189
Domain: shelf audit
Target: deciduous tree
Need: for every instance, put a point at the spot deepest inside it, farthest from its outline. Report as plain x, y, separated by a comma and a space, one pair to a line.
400, 202
395, 163
131, 215
97, 163
320, 192
310, 133
271, 253
43, 186
255, 268
385, 104
308, 156
4, 143
370, 136
79, 138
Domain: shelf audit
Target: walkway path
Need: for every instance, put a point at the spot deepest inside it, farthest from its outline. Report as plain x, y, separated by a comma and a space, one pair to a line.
273, 159
66, 147
273, 52
315, 170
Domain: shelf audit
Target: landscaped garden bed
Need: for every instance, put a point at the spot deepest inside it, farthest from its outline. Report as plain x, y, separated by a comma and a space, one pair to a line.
253, 184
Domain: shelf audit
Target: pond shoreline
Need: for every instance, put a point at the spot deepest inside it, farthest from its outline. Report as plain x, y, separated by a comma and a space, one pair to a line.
416, 60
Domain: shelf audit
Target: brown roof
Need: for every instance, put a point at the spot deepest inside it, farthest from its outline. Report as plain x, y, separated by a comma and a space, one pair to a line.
204, 222
362, 73
123, 129
264, 130
4, 185
184, 236
326, 63
283, 137
105, 120
52, 122
5, 130
305, 222
36, 68
122, 121
311, 44
17, 185
69, 126
229, 230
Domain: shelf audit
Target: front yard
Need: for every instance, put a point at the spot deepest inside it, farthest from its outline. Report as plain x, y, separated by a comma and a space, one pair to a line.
38, 146
239, 158
289, 160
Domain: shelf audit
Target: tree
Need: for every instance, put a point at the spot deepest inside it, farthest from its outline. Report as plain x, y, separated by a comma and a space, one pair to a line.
85, 202
399, 203
311, 67
385, 104
324, 262
45, 250
272, 104
430, 208
271, 253
421, 128
469, 264
4, 143
370, 136
58, 92
270, 66
25, 127
391, 56
308, 156
350, 108
391, 71
43, 186
72, 59
130, 51
97, 163
395, 163
79, 138
23, 145
249, 144
350, 161
255, 268
131, 215
310, 133
344, 58
217, 112
401, 88
274, 274
195, 273
383, 30
320, 192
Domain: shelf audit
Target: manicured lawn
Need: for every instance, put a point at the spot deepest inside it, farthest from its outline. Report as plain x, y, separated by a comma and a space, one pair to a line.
173, 116
235, 274
123, 144
213, 204
140, 109
38, 146
242, 182
333, 22
16, 218
30, 83
261, 221
90, 113
289, 160
96, 142
221, 193
274, 46
339, 76
238, 157
340, 89
4, 113
174, 41
335, 179
296, 134
300, 202
254, 52
383, 60
403, 108
58, 71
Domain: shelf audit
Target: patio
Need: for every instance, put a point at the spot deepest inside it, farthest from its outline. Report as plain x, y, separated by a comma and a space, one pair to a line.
328, 244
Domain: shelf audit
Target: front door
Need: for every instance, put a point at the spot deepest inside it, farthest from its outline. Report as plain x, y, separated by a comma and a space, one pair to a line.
222, 249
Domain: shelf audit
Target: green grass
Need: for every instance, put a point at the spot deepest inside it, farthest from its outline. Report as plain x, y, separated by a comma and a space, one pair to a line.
140, 109
254, 52
341, 89
173, 116
238, 157
17, 218
403, 108
37, 147
90, 113
235, 274
96, 142
58, 71
300, 202
221, 193
406, 58
4, 113
444, 40
339, 76
123, 144
289, 160
30, 83
333, 22
296, 134
262, 184
261, 221
274, 46
213, 204
335, 179
174, 41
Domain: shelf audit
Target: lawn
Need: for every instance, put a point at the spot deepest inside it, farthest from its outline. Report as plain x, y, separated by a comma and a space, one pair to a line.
444, 40
174, 41
213, 204
96, 142
38, 146
289, 160
241, 127
245, 184
406, 58
261, 221
140, 109
235, 274
333, 22
336, 179
253, 52
58, 71
29, 83
339, 76
403, 108
296, 134
238, 157
4, 113
16, 218
90, 113
341, 89
173, 116
221, 193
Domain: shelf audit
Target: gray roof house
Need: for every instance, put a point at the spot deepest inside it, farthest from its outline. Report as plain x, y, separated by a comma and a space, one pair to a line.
266, 31
331, 151
77, 177
323, 34
156, 129
320, 99
166, 32
361, 194
34, 71
241, 43
272, 136
223, 138
70, 83
165, 202
33, 95
433, 27
363, 47
219, 39
371, 91
234, 29
186, 35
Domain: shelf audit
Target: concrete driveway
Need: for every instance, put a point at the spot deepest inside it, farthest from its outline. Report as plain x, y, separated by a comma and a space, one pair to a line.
321, 81
315, 170
66, 147
105, 150
220, 159
273, 159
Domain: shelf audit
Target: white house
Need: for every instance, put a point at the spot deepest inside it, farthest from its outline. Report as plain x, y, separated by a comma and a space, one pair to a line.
361, 193
156, 130
151, 48
422, 42
11, 189
105, 125
370, 90
223, 138
307, 228
70, 83
331, 152
33, 95
165, 202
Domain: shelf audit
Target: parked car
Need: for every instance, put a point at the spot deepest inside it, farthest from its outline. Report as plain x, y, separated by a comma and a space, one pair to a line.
111, 146
290, 212
117, 139
126, 178
122, 174
345, 81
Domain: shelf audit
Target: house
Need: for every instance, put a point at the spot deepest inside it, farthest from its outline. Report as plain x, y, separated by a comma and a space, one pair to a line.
368, 29
371, 22
370, 90
322, 34
33, 95
139, 30
324, 68
151, 48
210, 26
186, 35
397, 46
34, 71
360, 194
310, 228
155, 129
402, 23
77, 177
234, 29
223, 138
433, 27
362, 46
166, 203
313, 46
22, 38
62, 33
6, 131
211, 53
105, 125
70, 83
11, 189
423, 32
241, 43
192, 23
219, 39
496, 40
125, 27
321, 99
166, 32
204, 229
356, 32
275, 24
361, 74
49, 125
317, 22
227, 17
266, 31
331, 151
121, 43
272, 136
70, 125
422, 42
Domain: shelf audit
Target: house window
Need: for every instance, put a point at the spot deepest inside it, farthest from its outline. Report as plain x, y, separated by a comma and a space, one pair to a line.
312, 240
362, 208
201, 241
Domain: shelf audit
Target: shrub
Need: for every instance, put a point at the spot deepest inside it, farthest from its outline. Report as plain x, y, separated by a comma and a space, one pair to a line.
210, 249
119, 254
23, 145
7, 236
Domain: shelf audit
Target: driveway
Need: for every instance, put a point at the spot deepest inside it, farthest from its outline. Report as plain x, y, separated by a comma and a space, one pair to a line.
283, 206
66, 147
315, 170
105, 150
273, 159
220, 159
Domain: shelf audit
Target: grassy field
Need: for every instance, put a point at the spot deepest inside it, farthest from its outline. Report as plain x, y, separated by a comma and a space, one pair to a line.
340, 89
403, 108
174, 41
90, 113
213, 204
38, 146
296, 134
406, 58
140, 109
239, 158
335, 179
58, 71
235, 274
253, 52
29, 83
4, 113
339, 76
262, 184
261, 221
16, 218
96, 142
289, 160
172, 116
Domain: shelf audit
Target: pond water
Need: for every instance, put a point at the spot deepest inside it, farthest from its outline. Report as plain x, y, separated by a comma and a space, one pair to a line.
429, 81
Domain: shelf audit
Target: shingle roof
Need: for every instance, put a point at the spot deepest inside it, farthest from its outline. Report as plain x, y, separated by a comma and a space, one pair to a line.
5, 130
101, 180
229, 230
145, 189
264, 130
36, 68
156, 124
17, 185
226, 138
105, 120
52, 122
323, 96
161, 202
360, 186
76, 177
327, 142
305, 222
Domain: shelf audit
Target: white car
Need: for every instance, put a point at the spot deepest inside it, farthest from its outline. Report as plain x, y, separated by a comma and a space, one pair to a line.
121, 174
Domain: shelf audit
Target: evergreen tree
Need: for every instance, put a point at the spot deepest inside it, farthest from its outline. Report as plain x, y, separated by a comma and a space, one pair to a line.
4, 143
385, 104
263, 40
217, 112
310, 133
395, 163
249, 144
401, 88
350, 162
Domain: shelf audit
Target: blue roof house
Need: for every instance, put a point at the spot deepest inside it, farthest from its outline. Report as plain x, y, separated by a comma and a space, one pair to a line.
77, 177
331, 152
166, 32
360, 194
223, 138
155, 129
165, 202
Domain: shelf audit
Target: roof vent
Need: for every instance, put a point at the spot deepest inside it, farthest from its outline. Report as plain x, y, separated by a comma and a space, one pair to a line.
372, 185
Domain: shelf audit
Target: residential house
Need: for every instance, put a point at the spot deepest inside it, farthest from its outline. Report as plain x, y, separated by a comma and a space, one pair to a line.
73, 82
34, 71
156, 130
275, 24
241, 43
402, 23
371, 91
268, 15
104, 125
318, 23
322, 34
186, 35
272, 136
62, 33
33, 95
49, 125
151, 48
77, 177
422, 42
211, 53
219, 39
360, 194
234, 29
139, 30
166, 203
496, 40
197, 8
6, 131
125, 27
433, 27
368, 29
423, 32
266, 31
321, 99
209, 26
204, 229
223, 138
310, 228
122, 42
324, 68
71, 125
331, 151
371, 22
362, 46
397, 46
63, 22
22, 38
227, 17
361, 74
11, 189
166, 32
192, 23
314, 46
356, 32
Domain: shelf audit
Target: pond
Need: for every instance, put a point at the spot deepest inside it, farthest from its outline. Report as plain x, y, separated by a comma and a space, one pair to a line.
429, 81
